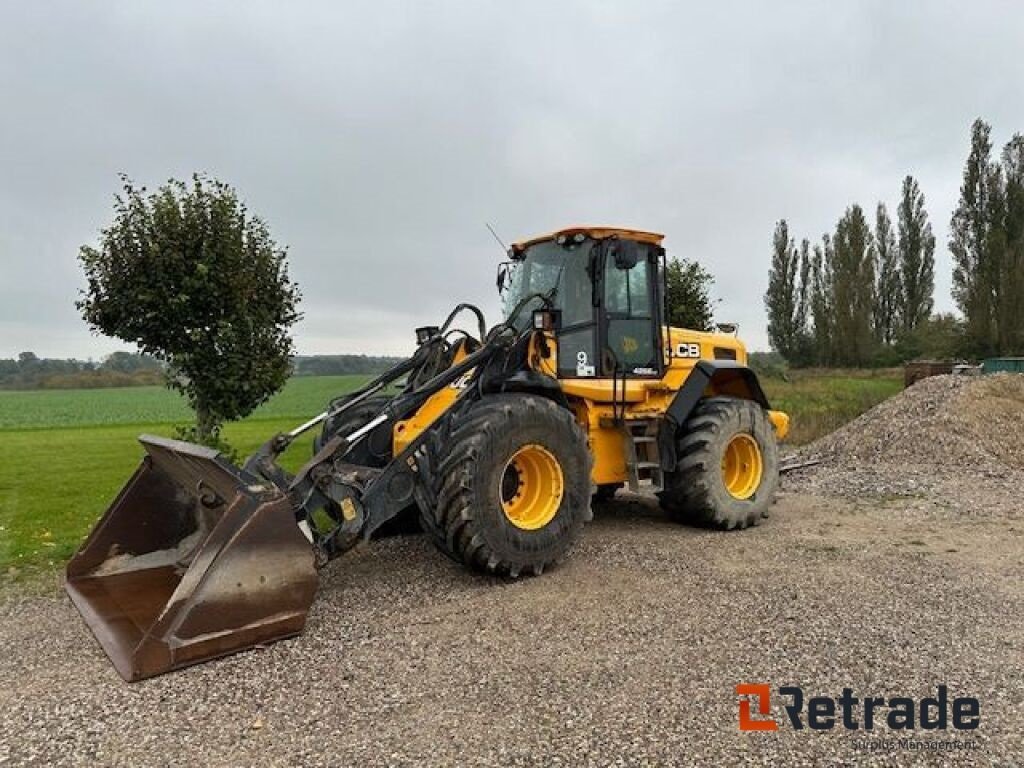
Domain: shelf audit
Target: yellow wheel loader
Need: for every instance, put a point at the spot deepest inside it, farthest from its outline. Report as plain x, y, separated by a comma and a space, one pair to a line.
497, 438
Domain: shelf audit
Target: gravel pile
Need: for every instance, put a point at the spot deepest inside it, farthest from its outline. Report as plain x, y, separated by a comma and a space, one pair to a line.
952, 442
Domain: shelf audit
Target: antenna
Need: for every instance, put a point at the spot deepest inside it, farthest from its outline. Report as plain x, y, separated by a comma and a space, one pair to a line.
504, 248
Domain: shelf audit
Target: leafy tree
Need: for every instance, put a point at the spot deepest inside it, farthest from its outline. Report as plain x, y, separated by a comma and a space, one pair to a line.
853, 285
129, 362
916, 256
939, 337
192, 278
688, 299
889, 289
768, 365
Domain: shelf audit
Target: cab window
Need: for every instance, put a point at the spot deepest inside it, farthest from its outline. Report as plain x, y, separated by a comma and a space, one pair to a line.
630, 323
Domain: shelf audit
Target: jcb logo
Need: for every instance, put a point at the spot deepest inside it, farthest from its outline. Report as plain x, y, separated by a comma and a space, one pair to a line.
688, 350
761, 693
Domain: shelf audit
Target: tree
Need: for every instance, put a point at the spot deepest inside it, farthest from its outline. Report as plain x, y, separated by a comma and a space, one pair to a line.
192, 278
939, 337
786, 298
804, 354
780, 298
688, 299
804, 295
987, 241
889, 288
916, 256
1011, 316
821, 302
129, 362
853, 288
970, 243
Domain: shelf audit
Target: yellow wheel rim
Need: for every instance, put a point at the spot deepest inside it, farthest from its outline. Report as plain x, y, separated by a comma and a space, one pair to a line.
531, 487
742, 466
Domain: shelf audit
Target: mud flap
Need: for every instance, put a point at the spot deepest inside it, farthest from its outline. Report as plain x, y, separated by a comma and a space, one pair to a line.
194, 559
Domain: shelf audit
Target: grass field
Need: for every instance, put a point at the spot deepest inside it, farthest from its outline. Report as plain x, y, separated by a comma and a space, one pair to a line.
54, 408
820, 401
67, 453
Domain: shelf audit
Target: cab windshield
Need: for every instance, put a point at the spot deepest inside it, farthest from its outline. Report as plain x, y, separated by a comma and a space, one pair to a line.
549, 266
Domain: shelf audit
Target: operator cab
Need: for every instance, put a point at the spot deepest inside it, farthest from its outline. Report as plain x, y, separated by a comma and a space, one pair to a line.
605, 287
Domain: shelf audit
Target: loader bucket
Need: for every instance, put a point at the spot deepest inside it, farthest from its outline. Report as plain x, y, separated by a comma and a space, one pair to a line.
194, 559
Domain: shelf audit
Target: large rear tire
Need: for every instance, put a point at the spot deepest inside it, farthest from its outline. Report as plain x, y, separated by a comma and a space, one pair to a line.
514, 486
727, 467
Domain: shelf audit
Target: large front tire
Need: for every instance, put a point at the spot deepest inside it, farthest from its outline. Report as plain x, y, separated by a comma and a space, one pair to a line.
514, 486
727, 467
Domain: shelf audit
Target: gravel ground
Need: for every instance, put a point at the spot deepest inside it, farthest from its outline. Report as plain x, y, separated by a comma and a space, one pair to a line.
628, 654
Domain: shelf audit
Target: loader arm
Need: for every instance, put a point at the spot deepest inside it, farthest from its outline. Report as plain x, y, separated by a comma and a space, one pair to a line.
197, 558
368, 498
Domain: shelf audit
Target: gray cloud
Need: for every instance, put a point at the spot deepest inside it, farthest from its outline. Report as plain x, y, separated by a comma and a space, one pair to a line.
377, 138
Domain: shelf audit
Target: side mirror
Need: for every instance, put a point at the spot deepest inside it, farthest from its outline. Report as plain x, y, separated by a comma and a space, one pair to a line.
426, 333
626, 254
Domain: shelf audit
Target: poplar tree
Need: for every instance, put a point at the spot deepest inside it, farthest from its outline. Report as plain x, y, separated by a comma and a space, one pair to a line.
1012, 315
971, 245
889, 289
916, 257
821, 305
853, 288
783, 301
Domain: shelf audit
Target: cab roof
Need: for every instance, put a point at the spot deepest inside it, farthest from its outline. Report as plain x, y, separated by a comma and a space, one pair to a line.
597, 233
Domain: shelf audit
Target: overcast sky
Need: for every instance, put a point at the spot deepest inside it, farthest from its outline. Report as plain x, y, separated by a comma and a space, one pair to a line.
377, 138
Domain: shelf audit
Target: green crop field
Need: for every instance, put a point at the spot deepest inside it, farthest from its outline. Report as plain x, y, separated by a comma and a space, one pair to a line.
66, 453
54, 408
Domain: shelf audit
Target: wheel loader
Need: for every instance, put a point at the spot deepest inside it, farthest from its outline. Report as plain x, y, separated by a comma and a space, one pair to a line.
496, 438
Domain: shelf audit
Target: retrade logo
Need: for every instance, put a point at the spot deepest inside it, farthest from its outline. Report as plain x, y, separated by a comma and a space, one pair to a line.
822, 713
761, 693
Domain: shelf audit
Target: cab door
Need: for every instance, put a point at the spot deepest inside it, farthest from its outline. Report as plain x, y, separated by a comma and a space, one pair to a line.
578, 301
630, 317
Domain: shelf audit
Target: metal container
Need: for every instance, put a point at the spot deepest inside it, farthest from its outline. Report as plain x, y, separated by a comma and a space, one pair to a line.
922, 369
1003, 365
